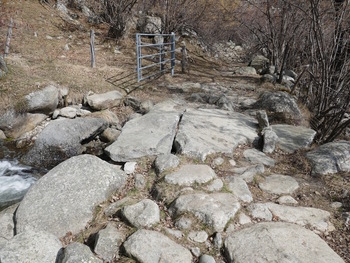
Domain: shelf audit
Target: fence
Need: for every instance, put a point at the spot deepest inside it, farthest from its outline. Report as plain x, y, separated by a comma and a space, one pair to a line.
147, 61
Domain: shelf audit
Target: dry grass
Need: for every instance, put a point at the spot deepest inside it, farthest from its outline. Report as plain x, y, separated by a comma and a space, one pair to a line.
36, 61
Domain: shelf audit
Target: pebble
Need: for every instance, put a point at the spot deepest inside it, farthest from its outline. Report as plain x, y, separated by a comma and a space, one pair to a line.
336, 205
129, 167
218, 240
287, 200
198, 236
206, 259
244, 219
232, 162
184, 223
218, 161
175, 233
196, 251
140, 182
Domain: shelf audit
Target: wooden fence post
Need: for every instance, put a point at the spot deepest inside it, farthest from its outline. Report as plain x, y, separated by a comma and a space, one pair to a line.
92, 48
8, 39
184, 58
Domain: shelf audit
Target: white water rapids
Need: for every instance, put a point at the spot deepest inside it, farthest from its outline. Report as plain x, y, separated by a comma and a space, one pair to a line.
15, 180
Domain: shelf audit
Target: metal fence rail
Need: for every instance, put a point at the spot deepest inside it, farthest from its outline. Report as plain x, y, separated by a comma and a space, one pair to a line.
145, 55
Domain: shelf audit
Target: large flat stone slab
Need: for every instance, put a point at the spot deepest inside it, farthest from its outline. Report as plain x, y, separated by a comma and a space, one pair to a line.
190, 174
330, 158
279, 184
150, 246
151, 134
254, 156
207, 131
277, 242
303, 216
292, 138
64, 199
214, 209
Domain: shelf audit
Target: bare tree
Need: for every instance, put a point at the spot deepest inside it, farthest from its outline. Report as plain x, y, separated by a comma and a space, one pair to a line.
115, 13
313, 35
328, 84
274, 27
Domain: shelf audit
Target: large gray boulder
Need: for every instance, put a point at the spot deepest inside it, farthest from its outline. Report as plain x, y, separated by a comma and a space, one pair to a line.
150, 246
259, 62
145, 213
330, 158
7, 225
151, 134
108, 241
215, 209
104, 101
77, 253
31, 247
292, 138
280, 107
62, 139
245, 71
207, 131
14, 124
64, 199
42, 101
276, 242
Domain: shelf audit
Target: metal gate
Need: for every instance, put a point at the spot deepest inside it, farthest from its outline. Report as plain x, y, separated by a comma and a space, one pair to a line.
150, 55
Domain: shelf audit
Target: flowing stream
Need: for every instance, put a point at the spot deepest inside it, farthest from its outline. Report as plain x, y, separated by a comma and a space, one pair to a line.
15, 178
